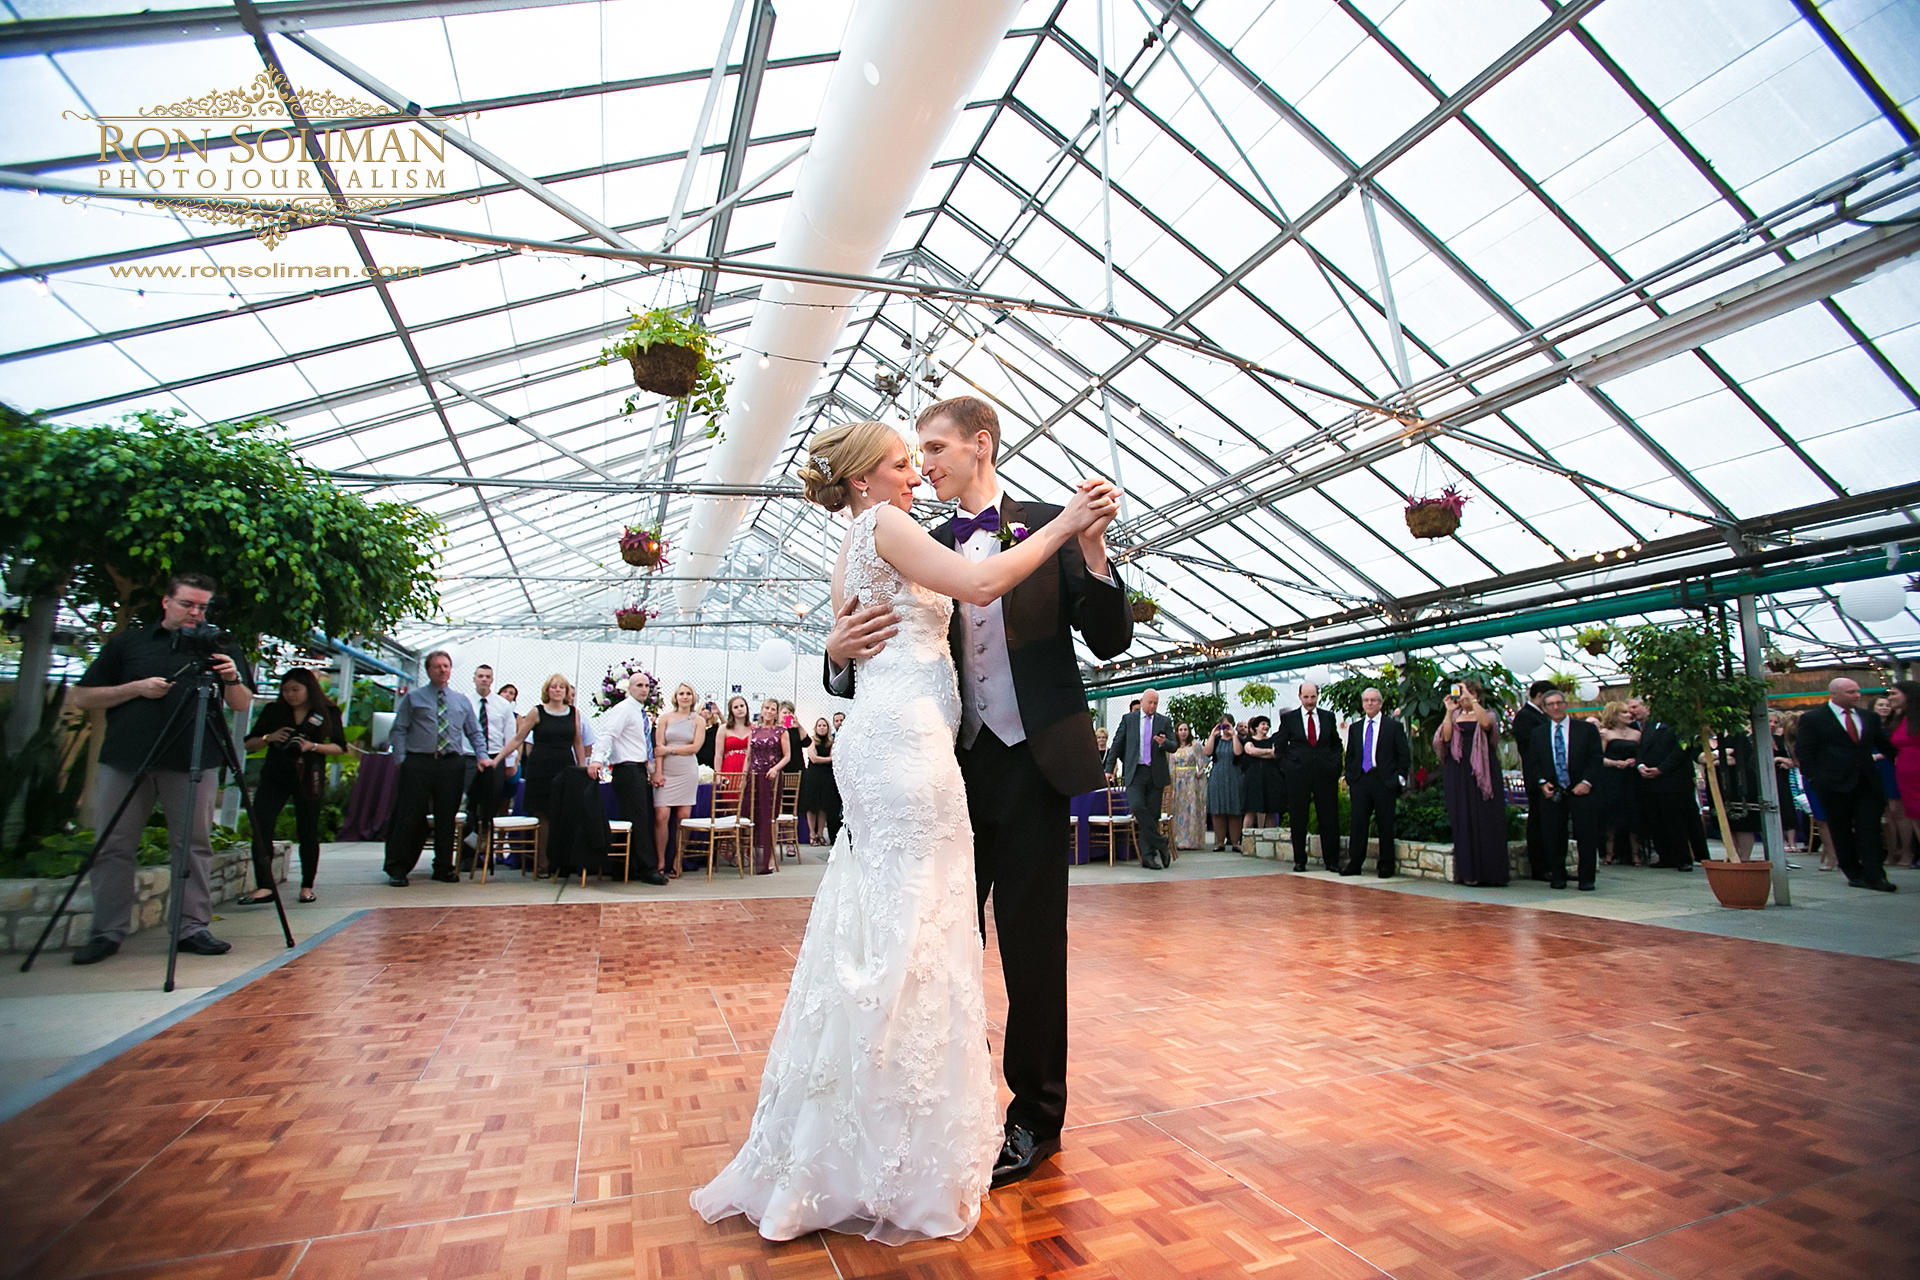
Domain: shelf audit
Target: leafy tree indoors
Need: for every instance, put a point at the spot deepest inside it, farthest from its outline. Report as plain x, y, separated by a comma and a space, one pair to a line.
1687, 677
100, 516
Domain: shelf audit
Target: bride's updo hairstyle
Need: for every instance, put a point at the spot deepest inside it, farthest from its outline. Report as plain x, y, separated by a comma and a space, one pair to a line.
839, 455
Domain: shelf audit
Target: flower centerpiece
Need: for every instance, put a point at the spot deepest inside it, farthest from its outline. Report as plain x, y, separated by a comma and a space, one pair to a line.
634, 617
1145, 607
644, 547
672, 355
1437, 515
613, 686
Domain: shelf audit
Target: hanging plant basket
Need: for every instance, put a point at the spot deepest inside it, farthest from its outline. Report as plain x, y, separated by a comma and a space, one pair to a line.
1145, 607
1436, 516
672, 355
1781, 663
633, 619
643, 548
1595, 640
666, 370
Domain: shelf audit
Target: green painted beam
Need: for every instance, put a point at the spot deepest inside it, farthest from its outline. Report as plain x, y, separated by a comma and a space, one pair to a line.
1711, 589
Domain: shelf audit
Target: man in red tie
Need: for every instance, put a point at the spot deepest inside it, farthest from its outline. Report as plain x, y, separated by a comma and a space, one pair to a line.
1309, 742
1838, 745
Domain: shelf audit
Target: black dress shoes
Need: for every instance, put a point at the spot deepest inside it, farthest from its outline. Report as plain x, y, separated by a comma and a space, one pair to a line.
1021, 1154
398, 882
1883, 885
94, 950
651, 877
446, 877
1587, 888
204, 944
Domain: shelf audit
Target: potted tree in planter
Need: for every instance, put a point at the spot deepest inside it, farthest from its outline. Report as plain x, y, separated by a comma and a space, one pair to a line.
634, 617
1595, 640
1436, 515
1145, 607
1686, 674
644, 548
672, 356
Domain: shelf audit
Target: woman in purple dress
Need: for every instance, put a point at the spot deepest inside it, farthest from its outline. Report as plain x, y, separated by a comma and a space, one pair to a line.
1476, 800
767, 751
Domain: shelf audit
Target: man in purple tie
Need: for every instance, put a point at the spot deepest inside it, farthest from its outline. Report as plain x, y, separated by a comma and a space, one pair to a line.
1378, 758
1140, 748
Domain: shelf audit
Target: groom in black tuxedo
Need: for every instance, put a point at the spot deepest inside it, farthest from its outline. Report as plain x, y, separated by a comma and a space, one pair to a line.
1026, 743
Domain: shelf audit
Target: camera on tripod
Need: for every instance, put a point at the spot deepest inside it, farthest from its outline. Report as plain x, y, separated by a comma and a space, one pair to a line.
201, 640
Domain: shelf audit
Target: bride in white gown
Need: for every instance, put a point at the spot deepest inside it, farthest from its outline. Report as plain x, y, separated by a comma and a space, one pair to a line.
877, 1112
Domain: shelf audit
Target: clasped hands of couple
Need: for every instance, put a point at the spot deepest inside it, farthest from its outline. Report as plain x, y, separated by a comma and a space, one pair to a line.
860, 633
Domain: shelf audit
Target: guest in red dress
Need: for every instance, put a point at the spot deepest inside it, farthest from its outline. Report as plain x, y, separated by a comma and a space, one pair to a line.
1903, 731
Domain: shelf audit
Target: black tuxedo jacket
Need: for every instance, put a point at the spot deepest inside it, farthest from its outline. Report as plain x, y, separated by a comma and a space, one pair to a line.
1831, 760
1041, 615
1584, 753
1324, 754
1525, 721
1662, 748
1392, 752
1125, 748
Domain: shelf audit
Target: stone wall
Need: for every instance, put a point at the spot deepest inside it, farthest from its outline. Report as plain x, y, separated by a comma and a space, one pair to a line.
26, 904
1419, 861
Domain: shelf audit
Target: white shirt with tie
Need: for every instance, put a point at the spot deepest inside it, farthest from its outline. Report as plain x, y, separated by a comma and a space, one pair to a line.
497, 722
1840, 713
625, 735
1369, 742
986, 672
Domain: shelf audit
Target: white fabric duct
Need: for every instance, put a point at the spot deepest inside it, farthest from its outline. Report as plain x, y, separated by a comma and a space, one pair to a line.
906, 68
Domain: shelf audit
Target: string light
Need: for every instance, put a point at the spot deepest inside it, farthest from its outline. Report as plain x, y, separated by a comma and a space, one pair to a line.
40, 285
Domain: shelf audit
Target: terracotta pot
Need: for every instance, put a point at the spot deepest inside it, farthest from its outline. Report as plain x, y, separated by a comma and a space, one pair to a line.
1145, 611
631, 621
1741, 885
1431, 520
666, 370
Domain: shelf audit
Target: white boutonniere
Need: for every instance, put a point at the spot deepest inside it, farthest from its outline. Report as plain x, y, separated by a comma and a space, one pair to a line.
1011, 533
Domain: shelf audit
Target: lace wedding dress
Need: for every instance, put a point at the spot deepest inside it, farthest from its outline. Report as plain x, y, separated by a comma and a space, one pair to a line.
877, 1113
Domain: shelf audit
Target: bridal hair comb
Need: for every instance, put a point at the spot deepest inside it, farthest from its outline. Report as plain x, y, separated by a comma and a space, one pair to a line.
824, 467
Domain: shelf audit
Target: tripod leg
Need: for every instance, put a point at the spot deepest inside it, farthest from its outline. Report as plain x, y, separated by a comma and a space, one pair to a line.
140, 775
238, 769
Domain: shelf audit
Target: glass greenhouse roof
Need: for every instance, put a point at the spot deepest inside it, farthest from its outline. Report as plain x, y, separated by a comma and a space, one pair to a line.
1652, 266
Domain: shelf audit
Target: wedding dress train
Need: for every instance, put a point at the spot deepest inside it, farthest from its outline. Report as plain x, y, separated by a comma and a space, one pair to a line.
878, 1114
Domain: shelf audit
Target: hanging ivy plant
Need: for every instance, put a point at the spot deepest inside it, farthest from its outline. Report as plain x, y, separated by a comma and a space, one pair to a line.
1256, 695
672, 355
1145, 607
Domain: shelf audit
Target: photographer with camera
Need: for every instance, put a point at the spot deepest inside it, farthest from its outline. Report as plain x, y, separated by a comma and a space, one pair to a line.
137, 680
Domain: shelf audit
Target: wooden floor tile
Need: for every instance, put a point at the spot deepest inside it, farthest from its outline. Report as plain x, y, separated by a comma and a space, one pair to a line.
1422, 1182
1855, 1227
1271, 1076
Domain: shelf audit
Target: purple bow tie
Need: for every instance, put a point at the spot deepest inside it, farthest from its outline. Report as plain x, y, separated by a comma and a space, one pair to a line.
965, 527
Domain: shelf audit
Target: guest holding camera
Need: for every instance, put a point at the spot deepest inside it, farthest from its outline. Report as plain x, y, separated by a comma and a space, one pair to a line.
1222, 752
299, 730
1476, 800
137, 681
819, 792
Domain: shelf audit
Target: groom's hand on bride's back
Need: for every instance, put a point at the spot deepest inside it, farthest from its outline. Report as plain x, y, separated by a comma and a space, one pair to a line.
857, 634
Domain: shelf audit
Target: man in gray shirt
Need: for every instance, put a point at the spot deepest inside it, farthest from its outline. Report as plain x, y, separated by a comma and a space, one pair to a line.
437, 737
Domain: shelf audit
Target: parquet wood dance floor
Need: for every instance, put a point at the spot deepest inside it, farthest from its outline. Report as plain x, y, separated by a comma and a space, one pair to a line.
1270, 1076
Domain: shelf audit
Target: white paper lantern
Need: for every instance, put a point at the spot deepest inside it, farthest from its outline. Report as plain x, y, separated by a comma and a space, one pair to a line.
1318, 676
776, 654
1523, 655
1873, 600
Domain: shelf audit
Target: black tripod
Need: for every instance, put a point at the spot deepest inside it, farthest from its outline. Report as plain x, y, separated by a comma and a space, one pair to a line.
203, 717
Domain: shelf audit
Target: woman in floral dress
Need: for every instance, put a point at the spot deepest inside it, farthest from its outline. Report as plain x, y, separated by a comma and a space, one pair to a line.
1189, 802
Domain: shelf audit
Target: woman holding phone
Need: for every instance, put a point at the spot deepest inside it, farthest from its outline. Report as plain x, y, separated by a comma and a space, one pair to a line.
1224, 795
1476, 798
298, 730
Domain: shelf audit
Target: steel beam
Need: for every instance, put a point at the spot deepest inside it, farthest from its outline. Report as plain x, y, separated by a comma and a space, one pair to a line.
221, 22
745, 102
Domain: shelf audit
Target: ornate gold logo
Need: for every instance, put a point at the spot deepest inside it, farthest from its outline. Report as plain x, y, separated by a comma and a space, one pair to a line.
288, 158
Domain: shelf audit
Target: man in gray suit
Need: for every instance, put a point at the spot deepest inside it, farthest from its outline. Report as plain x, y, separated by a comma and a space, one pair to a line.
1140, 746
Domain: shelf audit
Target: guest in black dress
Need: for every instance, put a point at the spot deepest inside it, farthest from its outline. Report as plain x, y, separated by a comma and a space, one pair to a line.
1263, 785
1621, 824
1476, 799
299, 730
796, 740
553, 728
819, 793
